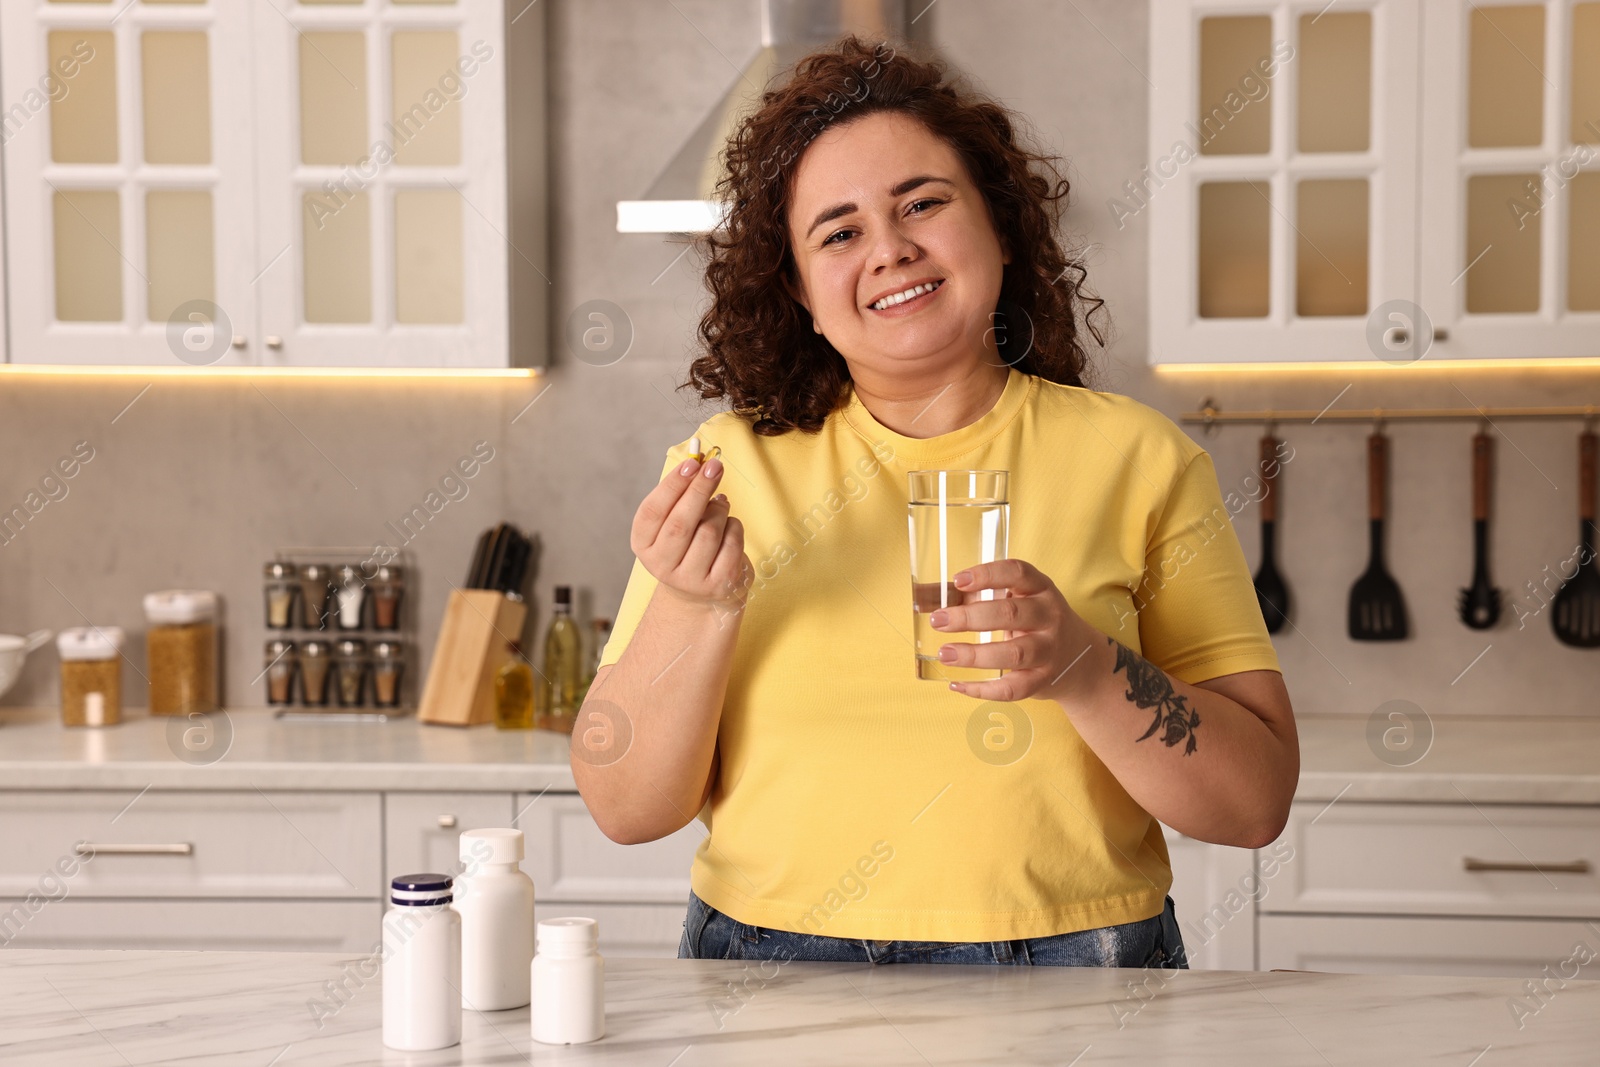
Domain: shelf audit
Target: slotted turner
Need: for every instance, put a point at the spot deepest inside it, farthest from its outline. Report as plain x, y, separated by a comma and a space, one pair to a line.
1377, 610
1271, 592
1479, 604
1575, 612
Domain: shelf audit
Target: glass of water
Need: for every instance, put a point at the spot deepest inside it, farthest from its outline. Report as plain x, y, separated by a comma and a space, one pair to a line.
958, 520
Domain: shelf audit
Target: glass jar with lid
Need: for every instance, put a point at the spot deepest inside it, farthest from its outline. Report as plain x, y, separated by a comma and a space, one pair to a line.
91, 675
350, 597
388, 589
314, 663
281, 584
316, 584
388, 671
181, 646
280, 660
350, 673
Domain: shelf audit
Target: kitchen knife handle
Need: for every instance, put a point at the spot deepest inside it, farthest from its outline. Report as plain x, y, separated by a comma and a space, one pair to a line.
1482, 460
1586, 465
1269, 478
1377, 474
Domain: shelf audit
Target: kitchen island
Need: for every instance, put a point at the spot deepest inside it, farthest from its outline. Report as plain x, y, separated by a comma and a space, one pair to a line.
83, 1008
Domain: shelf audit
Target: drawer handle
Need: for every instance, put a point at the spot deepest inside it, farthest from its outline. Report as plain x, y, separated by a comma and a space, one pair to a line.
447, 822
88, 848
1573, 867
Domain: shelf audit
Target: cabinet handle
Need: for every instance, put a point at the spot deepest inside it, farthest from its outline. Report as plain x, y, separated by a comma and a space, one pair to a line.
89, 848
1571, 867
447, 822
274, 342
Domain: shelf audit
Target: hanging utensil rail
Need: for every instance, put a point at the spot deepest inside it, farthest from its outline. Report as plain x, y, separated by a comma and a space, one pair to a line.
1210, 415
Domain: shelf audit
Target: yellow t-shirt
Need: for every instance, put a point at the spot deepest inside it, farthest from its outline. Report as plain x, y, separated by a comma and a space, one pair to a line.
855, 800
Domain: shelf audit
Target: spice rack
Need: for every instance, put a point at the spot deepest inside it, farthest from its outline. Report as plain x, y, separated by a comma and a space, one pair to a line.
340, 634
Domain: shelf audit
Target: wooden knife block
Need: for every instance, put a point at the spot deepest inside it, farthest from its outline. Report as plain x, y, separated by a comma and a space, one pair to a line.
478, 626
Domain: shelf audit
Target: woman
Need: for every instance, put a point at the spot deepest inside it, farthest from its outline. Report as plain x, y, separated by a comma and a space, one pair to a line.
761, 661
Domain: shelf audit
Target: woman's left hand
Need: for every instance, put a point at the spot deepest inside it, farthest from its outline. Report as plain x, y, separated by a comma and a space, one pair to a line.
1045, 638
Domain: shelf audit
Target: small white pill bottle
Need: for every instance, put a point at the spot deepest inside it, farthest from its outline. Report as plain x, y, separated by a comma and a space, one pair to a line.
495, 900
569, 983
421, 965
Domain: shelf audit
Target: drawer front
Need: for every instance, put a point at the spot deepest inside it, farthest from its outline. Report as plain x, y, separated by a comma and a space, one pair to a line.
569, 858
422, 831
222, 844
642, 931
195, 925
1474, 948
1441, 859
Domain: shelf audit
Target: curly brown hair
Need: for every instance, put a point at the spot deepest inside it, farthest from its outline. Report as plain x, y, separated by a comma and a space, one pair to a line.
762, 353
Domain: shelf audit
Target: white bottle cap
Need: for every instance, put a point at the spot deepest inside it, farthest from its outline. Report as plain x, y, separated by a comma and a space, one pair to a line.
497, 846
89, 642
571, 930
176, 607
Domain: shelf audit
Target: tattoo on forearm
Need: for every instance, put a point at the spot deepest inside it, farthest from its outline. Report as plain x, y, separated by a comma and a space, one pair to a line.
1150, 688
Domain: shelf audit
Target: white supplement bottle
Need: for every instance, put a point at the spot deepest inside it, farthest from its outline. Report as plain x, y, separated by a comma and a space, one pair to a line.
421, 965
569, 983
495, 900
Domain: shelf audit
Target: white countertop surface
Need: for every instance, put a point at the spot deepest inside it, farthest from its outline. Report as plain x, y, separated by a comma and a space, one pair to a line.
1527, 759
71, 1008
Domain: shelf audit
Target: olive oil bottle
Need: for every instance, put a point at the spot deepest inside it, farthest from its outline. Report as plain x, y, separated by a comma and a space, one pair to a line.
563, 667
513, 692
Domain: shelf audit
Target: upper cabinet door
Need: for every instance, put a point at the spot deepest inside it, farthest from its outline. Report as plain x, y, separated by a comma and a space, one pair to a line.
1510, 141
128, 181
1281, 187
382, 183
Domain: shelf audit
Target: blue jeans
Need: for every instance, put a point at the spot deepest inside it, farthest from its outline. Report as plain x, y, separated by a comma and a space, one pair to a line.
708, 934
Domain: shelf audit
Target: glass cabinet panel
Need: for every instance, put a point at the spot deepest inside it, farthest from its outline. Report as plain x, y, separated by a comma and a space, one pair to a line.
178, 248
1583, 243
1331, 247
88, 251
1335, 91
177, 97
1235, 230
1505, 76
333, 97
426, 117
83, 123
428, 264
1235, 115
338, 260
1502, 265
1585, 74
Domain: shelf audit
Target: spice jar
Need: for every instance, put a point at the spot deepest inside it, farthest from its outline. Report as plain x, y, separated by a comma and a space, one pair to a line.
314, 663
280, 666
351, 674
91, 675
280, 586
388, 670
182, 649
314, 589
388, 587
350, 594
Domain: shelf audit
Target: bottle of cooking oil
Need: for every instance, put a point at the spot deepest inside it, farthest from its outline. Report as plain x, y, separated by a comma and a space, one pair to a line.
591, 665
513, 692
563, 662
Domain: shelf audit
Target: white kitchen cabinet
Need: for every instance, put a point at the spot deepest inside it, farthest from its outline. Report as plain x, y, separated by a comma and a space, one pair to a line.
1485, 948
422, 831
218, 183
196, 925
1214, 891
1413, 179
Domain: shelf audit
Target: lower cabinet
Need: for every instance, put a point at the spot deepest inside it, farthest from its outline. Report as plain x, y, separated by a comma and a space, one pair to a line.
1414, 944
1214, 890
201, 925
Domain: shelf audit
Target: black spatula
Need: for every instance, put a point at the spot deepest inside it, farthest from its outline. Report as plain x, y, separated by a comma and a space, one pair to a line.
1479, 604
1377, 610
1575, 612
1271, 593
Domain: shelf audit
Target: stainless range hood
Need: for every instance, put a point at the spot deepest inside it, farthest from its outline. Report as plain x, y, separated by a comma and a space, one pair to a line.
681, 199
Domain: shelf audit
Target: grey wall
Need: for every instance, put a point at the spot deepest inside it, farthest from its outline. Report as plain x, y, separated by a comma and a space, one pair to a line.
199, 481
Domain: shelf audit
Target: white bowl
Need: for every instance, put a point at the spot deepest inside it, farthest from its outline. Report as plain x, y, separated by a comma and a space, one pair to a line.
13, 651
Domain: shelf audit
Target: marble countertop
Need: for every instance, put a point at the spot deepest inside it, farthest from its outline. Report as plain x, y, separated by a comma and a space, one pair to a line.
1527, 759
87, 1008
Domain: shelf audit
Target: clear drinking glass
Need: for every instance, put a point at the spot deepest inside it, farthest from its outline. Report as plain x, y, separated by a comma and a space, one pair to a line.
958, 519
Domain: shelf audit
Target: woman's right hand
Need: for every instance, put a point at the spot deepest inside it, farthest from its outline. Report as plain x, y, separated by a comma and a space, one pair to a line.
688, 541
